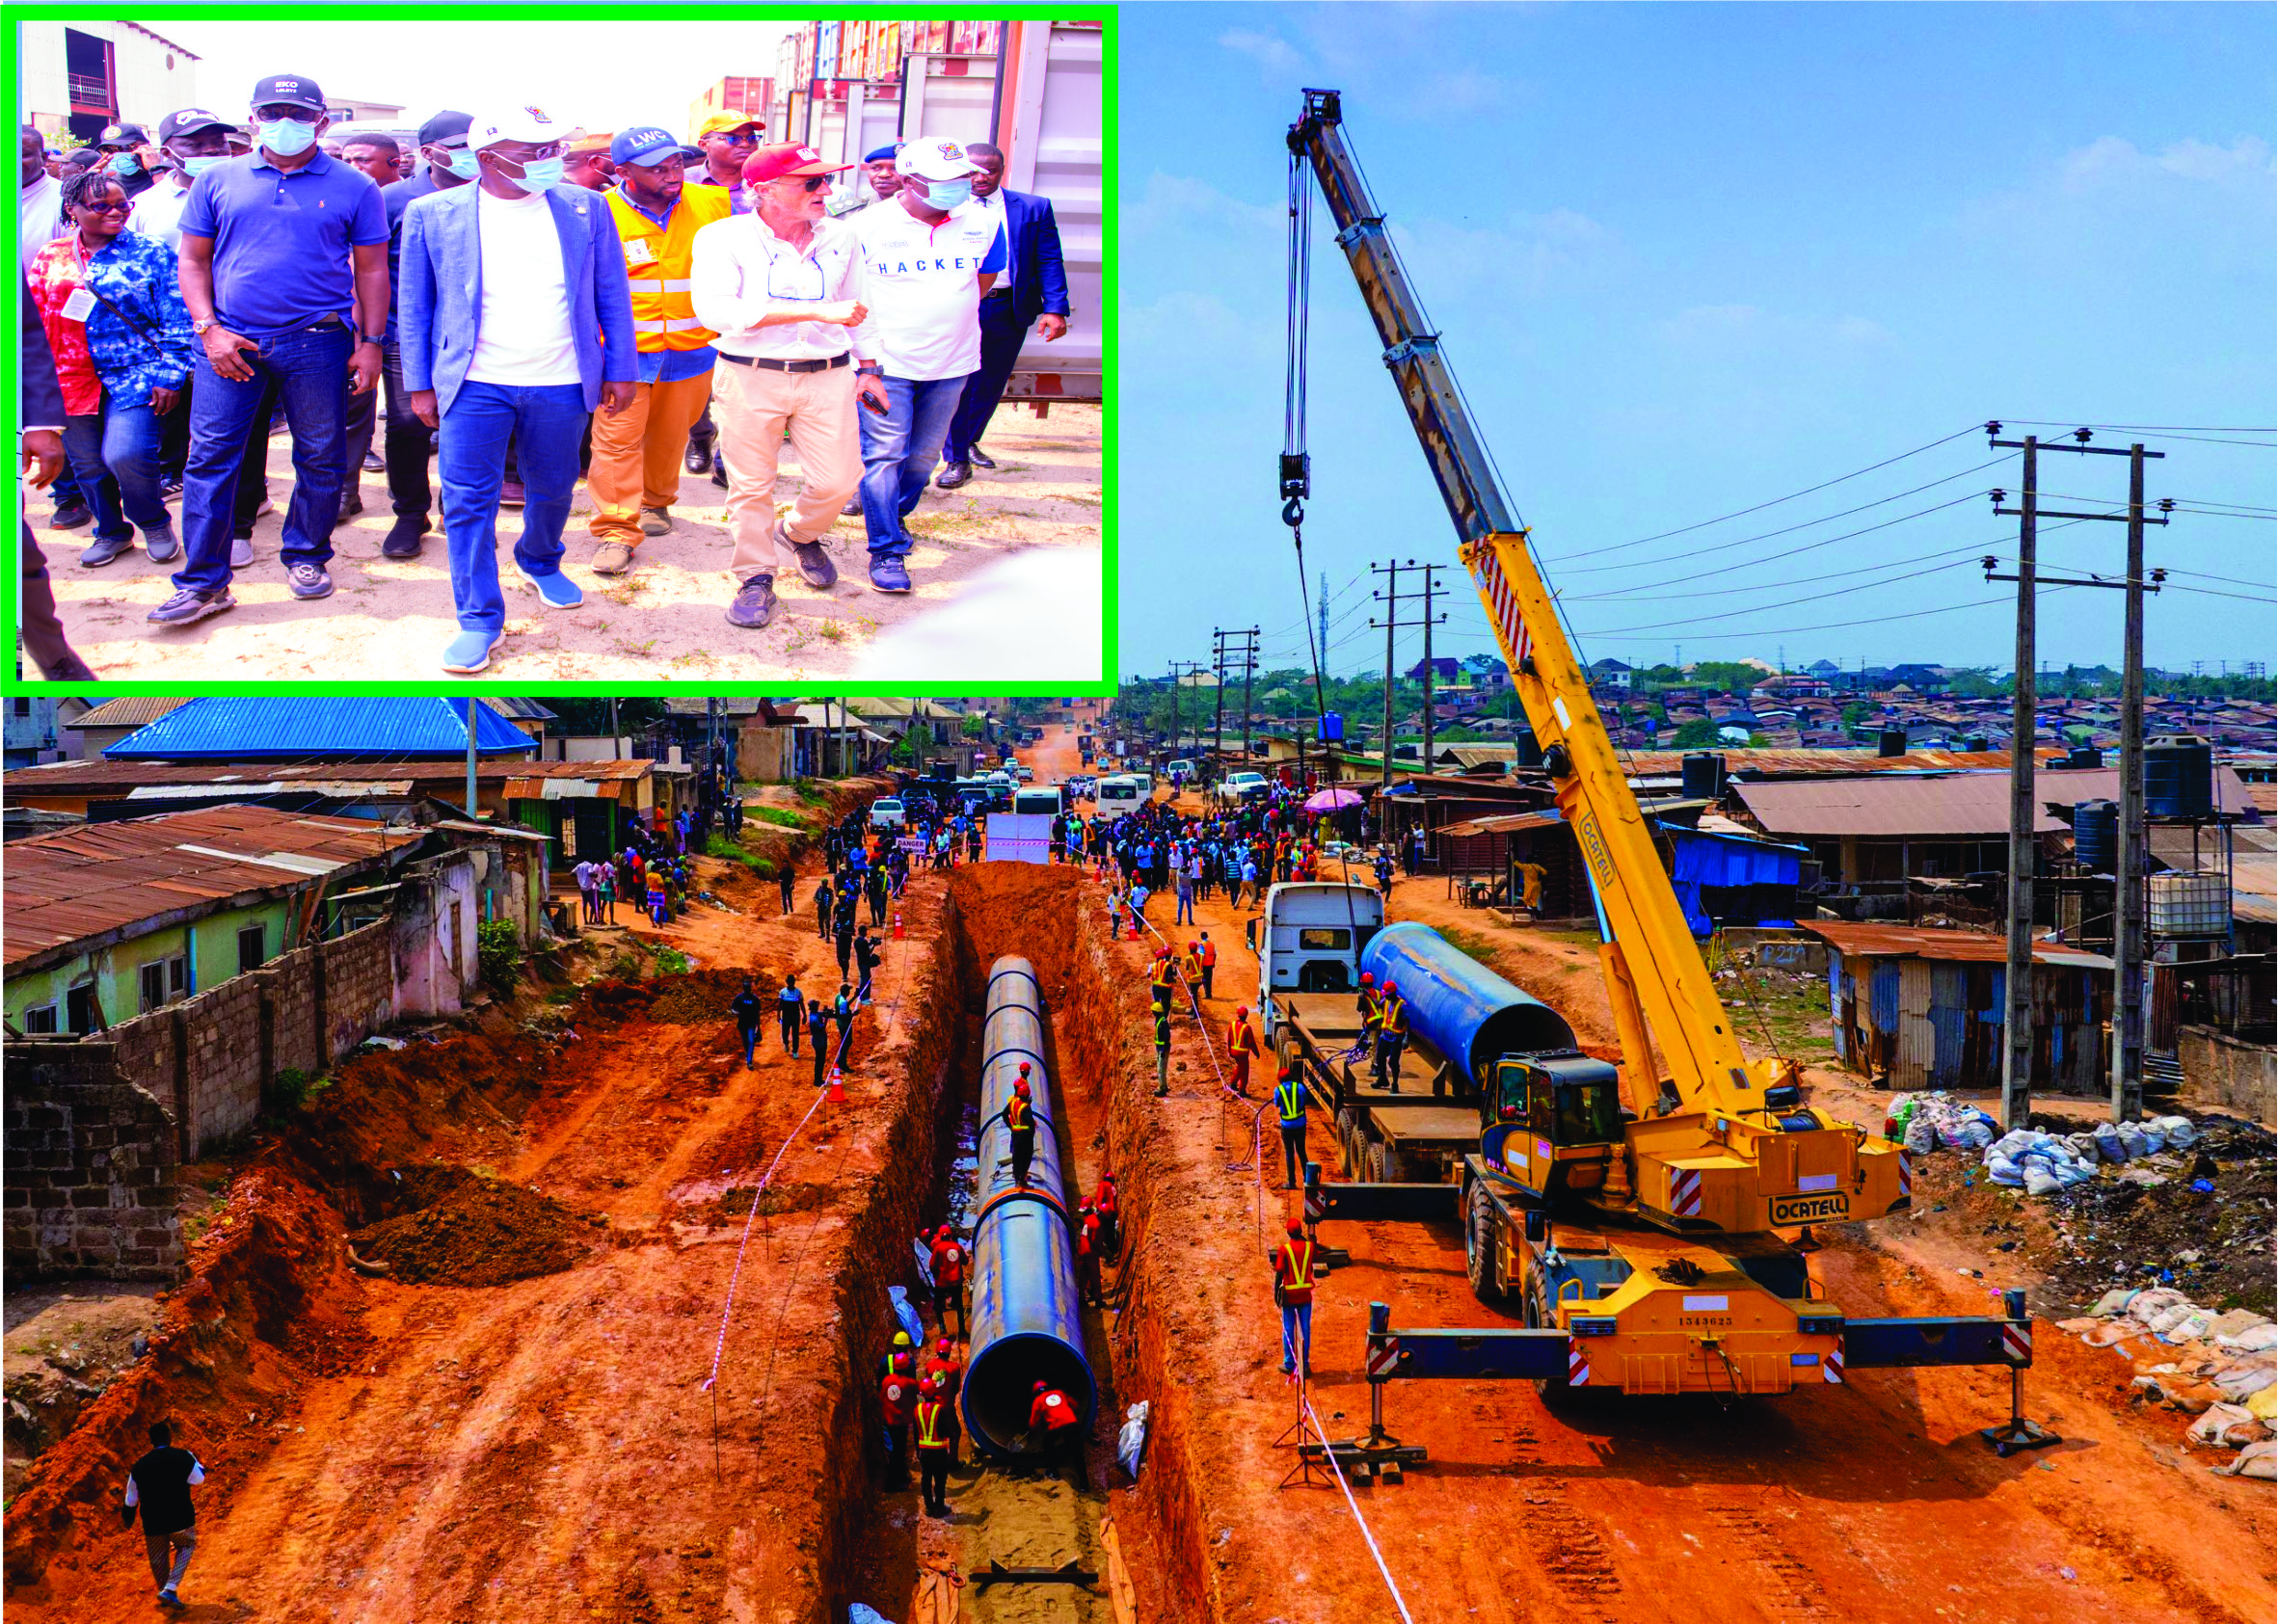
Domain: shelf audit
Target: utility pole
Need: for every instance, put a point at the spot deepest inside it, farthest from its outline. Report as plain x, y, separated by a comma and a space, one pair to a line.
1392, 597
2017, 1060
1217, 667
1321, 645
1249, 670
1190, 667
470, 813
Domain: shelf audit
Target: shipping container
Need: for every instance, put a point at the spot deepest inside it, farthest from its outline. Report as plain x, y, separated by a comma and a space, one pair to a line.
826, 50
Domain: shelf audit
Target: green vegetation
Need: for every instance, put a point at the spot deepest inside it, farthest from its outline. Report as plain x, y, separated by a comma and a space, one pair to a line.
782, 817
1693, 735
721, 846
805, 791
670, 961
499, 951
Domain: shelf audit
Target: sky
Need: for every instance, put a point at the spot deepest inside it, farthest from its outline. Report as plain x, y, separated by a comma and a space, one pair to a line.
577, 71
1692, 259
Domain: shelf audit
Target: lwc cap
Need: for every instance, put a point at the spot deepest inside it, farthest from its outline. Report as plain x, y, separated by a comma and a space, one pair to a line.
517, 124
931, 158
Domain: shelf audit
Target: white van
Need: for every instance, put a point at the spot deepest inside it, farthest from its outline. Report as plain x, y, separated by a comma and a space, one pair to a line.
1120, 793
1040, 800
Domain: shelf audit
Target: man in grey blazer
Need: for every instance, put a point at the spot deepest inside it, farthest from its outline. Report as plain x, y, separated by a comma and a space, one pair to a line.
515, 323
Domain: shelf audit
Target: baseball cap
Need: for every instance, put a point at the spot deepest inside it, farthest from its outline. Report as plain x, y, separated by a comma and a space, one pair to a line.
517, 124
122, 135
290, 90
646, 143
188, 120
934, 158
720, 122
788, 158
592, 141
446, 126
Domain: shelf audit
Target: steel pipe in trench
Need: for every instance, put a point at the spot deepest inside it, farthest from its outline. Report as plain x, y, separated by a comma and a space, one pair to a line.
1028, 1320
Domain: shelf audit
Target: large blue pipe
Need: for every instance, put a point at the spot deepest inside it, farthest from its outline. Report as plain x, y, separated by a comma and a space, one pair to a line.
1028, 1323
1463, 1009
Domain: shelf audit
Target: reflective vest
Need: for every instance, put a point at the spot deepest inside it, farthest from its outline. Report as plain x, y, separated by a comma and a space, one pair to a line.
1161, 981
933, 1433
1018, 1115
1371, 1012
1242, 1038
657, 259
1289, 1099
1296, 1276
1207, 953
1396, 1017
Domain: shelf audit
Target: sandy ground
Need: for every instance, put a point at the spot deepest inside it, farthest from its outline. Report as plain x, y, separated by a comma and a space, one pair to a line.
1026, 535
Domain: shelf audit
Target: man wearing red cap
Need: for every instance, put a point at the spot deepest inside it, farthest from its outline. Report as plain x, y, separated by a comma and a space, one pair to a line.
1020, 1123
898, 1402
1056, 1432
949, 1278
1292, 1290
936, 1444
946, 1374
1242, 1042
779, 285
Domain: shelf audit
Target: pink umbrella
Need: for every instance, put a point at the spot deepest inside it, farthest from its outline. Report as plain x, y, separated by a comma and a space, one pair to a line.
1331, 799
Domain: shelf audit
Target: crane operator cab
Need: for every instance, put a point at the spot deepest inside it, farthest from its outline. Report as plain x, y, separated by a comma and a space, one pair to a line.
1555, 1121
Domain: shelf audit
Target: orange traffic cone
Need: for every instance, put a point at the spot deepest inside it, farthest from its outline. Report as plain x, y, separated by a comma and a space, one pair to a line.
897, 930
838, 1087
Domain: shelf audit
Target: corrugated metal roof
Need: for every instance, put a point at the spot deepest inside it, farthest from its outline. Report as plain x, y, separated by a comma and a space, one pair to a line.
102, 877
128, 711
1502, 823
1952, 946
107, 779
1796, 763
520, 709
1974, 803
218, 727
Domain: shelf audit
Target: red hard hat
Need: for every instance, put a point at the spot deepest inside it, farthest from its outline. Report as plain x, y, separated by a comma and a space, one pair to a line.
942, 1346
1242, 1009
1391, 986
926, 1385
1366, 979
1021, 1088
1038, 1388
1296, 1226
1162, 953
1024, 1068
942, 1233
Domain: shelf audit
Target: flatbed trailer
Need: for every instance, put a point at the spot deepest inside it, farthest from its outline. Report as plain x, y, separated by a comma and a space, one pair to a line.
1417, 1133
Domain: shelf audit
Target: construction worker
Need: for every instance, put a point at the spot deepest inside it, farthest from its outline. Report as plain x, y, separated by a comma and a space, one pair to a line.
900, 1359
1242, 1042
1158, 982
1103, 1203
1020, 1123
1530, 885
1088, 1254
898, 1399
635, 474
818, 1036
1292, 1290
947, 1374
1206, 955
1289, 1103
935, 1442
1162, 1048
745, 1006
949, 1278
1391, 1036
1371, 1008
1055, 1432
1191, 965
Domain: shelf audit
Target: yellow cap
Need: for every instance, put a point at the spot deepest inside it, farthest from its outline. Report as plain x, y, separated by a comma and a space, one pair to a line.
902, 1339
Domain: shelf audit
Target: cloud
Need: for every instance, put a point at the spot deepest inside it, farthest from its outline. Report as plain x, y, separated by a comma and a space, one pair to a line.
1173, 203
1727, 332
1524, 254
1178, 327
1269, 51
2111, 160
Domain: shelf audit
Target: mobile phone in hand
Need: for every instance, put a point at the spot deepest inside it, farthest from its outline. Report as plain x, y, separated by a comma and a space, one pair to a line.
869, 403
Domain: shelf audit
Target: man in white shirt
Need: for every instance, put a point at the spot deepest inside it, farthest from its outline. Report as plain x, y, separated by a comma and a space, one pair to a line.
39, 206
929, 254
779, 287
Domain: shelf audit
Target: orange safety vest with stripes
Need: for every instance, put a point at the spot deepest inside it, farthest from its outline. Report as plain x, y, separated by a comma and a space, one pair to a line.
1161, 980
1371, 1010
1297, 1271
1395, 1016
1207, 953
1019, 1116
933, 1433
657, 263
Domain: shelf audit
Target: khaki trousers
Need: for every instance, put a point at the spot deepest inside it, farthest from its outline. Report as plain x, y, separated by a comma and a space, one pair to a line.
754, 409
636, 455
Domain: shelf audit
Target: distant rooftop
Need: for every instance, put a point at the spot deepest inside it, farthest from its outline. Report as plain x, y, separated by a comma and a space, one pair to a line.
246, 728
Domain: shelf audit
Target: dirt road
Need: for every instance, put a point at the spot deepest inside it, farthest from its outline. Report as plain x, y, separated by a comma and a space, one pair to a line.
390, 619
1874, 1500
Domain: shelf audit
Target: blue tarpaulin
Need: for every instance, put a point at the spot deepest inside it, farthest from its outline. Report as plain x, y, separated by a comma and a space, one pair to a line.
246, 728
1725, 863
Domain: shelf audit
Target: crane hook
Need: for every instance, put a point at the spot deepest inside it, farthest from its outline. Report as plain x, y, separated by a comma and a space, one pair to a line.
1292, 513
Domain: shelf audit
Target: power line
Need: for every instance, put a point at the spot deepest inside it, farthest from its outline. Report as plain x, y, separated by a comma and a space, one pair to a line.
1742, 513
1800, 580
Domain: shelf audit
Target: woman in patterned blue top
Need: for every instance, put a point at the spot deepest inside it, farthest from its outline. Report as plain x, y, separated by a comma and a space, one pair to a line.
114, 314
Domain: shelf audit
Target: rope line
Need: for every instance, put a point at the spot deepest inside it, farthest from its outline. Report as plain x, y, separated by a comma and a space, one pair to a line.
1354, 1505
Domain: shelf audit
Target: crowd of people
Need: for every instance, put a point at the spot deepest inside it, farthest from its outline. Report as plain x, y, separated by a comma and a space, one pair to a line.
533, 305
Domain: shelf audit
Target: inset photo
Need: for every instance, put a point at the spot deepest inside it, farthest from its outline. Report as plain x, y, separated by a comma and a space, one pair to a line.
675, 351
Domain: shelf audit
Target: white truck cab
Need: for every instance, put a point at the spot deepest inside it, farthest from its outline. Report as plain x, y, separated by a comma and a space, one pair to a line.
1119, 792
1309, 939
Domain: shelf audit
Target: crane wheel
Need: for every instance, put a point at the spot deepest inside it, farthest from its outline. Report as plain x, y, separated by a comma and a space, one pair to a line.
1479, 1247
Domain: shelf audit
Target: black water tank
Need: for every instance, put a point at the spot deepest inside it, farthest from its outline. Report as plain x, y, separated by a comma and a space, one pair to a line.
1893, 742
2179, 777
2096, 836
1704, 775
2084, 756
1530, 750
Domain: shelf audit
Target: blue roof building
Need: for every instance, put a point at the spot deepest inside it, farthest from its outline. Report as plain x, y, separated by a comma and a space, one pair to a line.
250, 729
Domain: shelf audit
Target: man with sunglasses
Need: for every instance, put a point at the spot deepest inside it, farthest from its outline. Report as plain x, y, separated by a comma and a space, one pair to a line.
727, 141
636, 475
284, 272
410, 442
516, 324
779, 287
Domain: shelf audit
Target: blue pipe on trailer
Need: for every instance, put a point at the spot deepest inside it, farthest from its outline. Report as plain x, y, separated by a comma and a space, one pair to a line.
1028, 1320
1464, 1010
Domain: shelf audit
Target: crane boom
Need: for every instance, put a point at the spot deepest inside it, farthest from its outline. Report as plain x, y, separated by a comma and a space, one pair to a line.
1727, 1132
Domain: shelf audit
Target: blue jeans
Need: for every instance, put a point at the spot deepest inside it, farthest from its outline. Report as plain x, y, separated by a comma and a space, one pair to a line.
898, 452
1296, 1335
114, 453
751, 1038
309, 366
1001, 336
1186, 912
546, 422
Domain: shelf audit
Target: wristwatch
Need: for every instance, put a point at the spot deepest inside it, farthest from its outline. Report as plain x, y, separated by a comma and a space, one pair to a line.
872, 369
371, 338
200, 327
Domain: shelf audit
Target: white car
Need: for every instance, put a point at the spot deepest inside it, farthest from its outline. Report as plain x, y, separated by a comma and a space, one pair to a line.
1240, 786
889, 814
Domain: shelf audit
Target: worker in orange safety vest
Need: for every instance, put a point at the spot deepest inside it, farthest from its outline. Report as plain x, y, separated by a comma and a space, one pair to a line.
1242, 1042
935, 1449
947, 1374
1292, 1290
1159, 983
1020, 1123
1206, 954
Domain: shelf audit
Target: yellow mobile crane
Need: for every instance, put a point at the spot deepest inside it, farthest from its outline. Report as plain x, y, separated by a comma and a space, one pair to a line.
1640, 1242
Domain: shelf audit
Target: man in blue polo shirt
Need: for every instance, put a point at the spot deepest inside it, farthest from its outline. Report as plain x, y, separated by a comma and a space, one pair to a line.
284, 270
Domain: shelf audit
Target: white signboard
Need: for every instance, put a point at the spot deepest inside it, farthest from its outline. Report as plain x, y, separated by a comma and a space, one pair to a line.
1019, 838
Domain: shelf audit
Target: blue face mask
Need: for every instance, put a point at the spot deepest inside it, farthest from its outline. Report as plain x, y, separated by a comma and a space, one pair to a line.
287, 138
125, 164
463, 165
195, 167
948, 194
539, 175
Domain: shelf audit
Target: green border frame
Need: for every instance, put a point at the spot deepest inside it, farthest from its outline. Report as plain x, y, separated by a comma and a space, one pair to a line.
608, 11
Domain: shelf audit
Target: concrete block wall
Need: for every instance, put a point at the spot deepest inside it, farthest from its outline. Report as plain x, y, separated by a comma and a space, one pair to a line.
89, 1189
223, 1068
358, 986
290, 988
